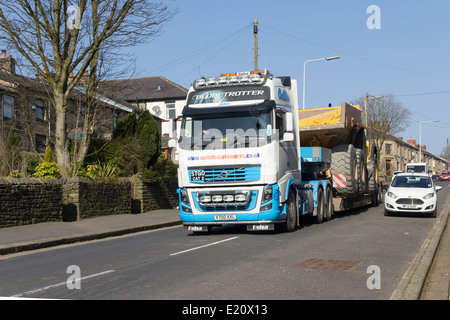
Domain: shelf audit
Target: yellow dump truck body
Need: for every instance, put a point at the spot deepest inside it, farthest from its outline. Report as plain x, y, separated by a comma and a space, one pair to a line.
328, 127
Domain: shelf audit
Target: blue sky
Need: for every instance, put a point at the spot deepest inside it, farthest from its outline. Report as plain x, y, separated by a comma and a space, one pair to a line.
408, 57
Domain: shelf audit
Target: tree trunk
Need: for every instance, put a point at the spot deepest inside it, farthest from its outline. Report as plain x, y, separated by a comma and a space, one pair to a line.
61, 150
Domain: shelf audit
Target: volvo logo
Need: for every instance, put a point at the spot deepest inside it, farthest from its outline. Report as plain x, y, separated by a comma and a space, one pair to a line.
223, 174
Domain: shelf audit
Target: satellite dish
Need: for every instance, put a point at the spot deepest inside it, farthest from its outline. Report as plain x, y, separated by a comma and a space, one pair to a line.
156, 111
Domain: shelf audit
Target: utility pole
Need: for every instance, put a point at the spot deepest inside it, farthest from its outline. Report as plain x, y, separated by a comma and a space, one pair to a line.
255, 45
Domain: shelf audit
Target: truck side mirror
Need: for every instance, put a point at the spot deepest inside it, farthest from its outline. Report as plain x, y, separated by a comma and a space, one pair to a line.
288, 136
288, 122
172, 143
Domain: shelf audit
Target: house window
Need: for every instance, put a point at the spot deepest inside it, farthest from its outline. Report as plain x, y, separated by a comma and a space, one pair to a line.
8, 107
40, 143
39, 110
170, 111
82, 114
388, 148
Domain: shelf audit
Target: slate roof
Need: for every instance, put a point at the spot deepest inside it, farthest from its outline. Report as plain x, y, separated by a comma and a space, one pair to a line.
143, 89
9, 81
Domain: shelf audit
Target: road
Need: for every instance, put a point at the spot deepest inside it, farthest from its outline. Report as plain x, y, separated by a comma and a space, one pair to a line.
360, 254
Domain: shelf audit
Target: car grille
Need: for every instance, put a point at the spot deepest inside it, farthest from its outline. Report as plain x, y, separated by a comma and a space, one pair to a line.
409, 201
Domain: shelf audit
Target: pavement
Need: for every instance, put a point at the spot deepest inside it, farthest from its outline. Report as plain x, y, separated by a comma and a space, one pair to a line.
426, 279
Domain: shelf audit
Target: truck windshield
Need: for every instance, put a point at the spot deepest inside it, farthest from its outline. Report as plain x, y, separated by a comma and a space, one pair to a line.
226, 130
416, 168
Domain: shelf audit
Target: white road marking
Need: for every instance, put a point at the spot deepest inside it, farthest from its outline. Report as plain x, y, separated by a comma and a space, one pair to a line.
61, 284
206, 245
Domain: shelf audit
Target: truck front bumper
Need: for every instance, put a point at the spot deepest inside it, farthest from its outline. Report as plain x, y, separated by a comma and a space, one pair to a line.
258, 210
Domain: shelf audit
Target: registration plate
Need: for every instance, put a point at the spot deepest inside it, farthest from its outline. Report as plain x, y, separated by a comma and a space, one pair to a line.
223, 217
197, 175
409, 206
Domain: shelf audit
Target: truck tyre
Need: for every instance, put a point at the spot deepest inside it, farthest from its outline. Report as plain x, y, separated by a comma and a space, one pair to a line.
291, 213
320, 207
373, 183
329, 205
343, 161
361, 163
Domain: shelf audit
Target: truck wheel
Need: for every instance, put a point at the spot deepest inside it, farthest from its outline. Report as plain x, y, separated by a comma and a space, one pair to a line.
329, 207
291, 213
343, 161
320, 207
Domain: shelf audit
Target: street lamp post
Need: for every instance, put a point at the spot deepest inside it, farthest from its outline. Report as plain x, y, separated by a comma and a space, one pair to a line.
366, 103
304, 72
420, 137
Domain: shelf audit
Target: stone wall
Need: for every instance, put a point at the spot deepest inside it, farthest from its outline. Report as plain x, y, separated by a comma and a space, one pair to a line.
29, 200
34, 200
152, 196
86, 198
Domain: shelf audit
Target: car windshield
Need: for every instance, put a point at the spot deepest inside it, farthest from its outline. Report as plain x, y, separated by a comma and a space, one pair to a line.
411, 182
224, 130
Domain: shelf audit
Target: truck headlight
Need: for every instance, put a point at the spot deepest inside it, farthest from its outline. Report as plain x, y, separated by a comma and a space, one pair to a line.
184, 197
267, 194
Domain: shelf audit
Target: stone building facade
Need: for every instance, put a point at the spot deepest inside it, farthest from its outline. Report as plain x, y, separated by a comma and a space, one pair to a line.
25, 105
397, 153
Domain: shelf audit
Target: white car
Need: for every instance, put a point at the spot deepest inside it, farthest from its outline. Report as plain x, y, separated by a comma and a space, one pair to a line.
412, 193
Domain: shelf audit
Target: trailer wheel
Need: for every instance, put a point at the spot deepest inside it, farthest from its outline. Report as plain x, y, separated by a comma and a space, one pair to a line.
343, 161
320, 207
329, 205
291, 214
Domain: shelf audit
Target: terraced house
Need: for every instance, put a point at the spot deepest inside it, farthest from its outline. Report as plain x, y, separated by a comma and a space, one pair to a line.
27, 110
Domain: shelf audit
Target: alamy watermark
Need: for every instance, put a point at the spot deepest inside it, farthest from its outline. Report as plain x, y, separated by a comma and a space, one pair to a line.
73, 17
374, 20
74, 280
374, 280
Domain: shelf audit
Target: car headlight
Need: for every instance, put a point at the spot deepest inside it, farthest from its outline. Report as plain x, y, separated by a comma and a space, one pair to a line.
391, 194
429, 196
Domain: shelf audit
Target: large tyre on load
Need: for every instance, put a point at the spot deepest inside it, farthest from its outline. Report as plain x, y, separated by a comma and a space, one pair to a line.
362, 171
344, 163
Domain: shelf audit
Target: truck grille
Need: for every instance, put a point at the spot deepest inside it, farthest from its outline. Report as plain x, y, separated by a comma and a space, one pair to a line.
224, 174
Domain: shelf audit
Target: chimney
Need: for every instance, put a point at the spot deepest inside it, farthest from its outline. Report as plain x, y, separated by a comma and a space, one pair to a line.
7, 63
424, 147
411, 141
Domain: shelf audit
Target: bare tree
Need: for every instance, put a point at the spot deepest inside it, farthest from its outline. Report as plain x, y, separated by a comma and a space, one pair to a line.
385, 116
61, 38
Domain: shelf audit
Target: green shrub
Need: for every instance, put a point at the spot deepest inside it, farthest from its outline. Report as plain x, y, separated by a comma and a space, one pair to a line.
15, 174
47, 170
31, 161
105, 170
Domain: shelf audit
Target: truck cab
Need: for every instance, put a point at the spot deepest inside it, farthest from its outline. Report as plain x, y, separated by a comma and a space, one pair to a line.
238, 151
417, 167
